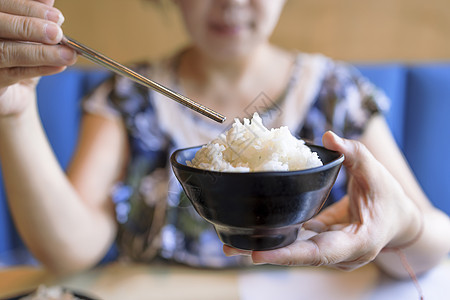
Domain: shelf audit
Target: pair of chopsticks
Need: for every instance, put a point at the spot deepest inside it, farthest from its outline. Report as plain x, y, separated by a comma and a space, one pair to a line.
118, 68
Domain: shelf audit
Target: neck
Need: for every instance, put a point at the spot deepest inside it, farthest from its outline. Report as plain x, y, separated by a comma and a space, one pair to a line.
230, 87
207, 69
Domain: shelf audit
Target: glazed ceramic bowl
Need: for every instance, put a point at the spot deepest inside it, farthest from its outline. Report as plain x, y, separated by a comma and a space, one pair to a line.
257, 210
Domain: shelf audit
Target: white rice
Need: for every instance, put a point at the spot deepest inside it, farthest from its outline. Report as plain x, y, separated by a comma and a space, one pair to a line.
50, 293
251, 147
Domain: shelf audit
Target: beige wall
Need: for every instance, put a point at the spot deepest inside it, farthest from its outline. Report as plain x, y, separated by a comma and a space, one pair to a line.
352, 30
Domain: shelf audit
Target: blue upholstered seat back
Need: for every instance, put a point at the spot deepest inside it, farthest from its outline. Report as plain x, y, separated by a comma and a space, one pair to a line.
420, 120
427, 130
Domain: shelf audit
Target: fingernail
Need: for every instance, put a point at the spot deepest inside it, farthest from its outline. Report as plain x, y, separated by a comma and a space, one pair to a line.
314, 225
333, 134
55, 16
235, 252
67, 54
53, 32
337, 138
259, 263
231, 254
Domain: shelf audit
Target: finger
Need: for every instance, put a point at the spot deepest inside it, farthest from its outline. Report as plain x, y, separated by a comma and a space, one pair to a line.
319, 227
13, 75
336, 213
315, 225
16, 54
306, 234
358, 159
29, 29
33, 9
353, 151
351, 265
46, 2
230, 251
328, 248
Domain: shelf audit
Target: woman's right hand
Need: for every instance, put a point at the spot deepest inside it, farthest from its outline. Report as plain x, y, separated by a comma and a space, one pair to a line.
29, 35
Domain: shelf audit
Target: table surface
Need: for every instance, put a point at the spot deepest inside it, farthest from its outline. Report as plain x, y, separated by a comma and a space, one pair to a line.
137, 281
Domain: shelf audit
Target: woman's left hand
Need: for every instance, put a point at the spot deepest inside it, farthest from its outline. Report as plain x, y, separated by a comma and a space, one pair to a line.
350, 233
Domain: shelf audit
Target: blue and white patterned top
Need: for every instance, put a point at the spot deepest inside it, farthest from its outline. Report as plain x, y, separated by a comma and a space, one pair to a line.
155, 217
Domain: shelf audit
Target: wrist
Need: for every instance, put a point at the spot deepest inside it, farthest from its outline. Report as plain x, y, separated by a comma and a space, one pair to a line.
13, 120
411, 230
17, 104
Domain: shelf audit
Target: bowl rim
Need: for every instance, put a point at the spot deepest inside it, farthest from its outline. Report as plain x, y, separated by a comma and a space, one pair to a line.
331, 164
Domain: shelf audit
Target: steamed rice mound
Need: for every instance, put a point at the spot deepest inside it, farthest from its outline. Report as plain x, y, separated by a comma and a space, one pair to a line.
251, 147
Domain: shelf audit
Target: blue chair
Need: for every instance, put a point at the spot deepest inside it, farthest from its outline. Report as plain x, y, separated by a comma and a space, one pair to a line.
419, 120
427, 130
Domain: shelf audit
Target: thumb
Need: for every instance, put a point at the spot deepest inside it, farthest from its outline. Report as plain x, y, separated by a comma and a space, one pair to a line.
359, 162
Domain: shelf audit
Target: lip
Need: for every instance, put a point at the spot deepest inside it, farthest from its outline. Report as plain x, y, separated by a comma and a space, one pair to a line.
227, 29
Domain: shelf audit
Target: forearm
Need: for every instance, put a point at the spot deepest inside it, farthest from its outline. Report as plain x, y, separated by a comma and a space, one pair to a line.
55, 223
433, 244
427, 251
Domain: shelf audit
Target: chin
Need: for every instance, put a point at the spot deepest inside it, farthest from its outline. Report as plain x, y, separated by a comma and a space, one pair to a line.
230, 52
230, 55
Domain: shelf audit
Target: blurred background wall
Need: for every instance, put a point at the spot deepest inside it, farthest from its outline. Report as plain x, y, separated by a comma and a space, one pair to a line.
351, 30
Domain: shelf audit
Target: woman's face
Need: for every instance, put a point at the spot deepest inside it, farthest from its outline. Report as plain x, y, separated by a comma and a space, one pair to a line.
226, 29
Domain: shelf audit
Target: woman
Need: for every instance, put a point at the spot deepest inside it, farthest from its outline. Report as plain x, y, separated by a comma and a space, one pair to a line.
119, 182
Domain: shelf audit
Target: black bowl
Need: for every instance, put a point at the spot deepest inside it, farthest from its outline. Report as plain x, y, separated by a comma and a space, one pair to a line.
257, 210
78, 295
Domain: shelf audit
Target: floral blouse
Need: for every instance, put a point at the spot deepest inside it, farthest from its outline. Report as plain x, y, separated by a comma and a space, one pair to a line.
156, 219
